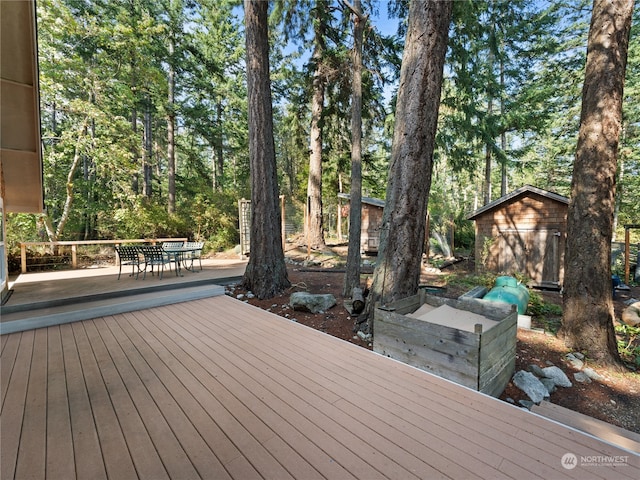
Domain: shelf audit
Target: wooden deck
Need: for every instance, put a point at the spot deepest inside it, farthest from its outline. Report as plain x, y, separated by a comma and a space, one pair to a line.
215, 388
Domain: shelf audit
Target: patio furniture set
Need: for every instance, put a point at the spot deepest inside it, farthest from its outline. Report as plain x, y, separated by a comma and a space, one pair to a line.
154, 258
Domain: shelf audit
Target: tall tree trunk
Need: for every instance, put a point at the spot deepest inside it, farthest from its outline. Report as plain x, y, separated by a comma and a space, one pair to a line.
587, 323
619, 182
266, 272
147, 171
315, 229
219, 153
171, 124
135, 181
504, 187
487, 161
77, 156
397, 272
352, 274
88, 174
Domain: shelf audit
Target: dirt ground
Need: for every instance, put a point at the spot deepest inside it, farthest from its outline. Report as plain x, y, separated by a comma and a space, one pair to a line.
615, 399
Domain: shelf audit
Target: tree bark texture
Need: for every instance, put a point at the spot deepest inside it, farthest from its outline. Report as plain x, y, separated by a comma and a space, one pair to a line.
171, 123
352, 274
266, 272
66, 209
588, 306
147, 167
315, 228
218, 175
397, 273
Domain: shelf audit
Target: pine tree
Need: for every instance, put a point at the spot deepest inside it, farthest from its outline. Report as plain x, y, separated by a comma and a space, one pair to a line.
266, 272
587, 321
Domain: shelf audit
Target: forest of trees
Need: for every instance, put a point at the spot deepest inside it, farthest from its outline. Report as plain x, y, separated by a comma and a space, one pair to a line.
144, 112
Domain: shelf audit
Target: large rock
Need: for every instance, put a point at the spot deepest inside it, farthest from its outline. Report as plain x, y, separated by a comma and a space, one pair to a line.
312, 302
529, 384
631, 314
558, 376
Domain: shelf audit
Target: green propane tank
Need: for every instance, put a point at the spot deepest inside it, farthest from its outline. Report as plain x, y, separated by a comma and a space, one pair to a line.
509, 290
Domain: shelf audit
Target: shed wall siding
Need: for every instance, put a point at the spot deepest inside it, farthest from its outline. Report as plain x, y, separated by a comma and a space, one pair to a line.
521, 215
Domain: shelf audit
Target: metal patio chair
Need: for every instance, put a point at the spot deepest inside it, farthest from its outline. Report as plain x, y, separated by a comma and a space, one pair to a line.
196, 254
155, 258
129, 255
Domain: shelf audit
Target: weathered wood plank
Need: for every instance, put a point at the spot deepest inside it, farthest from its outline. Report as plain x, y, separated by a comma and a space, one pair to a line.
493, 349
437, 363
495, 376
403, 306
430, 332
474, 305
453, 351
434, 337
503, 327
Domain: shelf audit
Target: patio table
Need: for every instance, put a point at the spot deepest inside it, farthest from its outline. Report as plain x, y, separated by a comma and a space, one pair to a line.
178, 254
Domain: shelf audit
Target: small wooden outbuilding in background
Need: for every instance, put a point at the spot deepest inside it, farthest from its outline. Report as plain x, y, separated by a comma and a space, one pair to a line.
372, 209
523, 232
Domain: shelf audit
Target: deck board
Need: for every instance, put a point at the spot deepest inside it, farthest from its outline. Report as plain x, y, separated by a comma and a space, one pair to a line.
503, 424
118, 462
215, 388
436, 437
13, 408
32, 449
238, 387
285, 371
206, 446
229, 360
88, 461
59, 448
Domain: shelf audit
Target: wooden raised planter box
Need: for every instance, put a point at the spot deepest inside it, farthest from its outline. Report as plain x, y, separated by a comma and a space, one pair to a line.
468, 341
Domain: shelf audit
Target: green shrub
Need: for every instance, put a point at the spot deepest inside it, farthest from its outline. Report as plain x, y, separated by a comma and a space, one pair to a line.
629, 343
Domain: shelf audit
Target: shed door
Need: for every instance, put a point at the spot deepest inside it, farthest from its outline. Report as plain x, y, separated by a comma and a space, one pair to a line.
536, 253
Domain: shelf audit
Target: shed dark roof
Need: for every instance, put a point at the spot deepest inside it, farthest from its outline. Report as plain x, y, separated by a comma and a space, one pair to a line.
517, 193
368, 200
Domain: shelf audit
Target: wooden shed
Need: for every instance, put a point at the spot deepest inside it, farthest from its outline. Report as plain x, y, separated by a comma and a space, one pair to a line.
523, 232
371, 222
